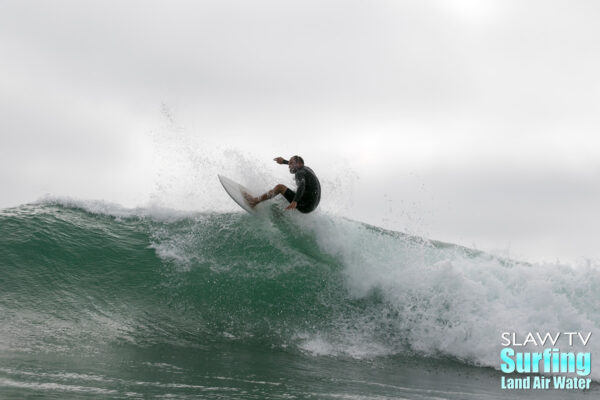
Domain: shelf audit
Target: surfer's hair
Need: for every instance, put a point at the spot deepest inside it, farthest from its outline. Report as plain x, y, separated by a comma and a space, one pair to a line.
298, 158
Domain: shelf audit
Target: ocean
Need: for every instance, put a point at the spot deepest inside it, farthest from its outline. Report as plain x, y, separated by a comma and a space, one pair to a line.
105, 302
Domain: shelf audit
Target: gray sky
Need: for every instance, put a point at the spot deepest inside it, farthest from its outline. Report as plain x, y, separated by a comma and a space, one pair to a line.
473, 121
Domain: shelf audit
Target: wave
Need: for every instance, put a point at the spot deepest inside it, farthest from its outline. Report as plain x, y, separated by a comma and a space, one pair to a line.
83, 275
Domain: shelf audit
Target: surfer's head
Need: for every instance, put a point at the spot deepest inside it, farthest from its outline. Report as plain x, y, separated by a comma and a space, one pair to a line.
295, 163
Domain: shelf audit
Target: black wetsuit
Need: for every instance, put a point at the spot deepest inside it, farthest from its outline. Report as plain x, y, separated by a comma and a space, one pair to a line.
308, 193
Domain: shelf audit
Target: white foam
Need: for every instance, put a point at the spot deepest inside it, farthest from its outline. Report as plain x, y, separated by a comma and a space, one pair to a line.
52, 386
446, 300
102, 207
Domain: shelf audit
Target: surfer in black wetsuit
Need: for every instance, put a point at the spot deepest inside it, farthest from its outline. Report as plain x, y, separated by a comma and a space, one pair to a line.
306, 197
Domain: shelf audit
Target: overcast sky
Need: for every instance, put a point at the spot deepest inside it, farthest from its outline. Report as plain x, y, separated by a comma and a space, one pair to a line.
470, 121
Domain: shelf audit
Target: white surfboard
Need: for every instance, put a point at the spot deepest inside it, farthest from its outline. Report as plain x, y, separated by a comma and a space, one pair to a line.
236, 191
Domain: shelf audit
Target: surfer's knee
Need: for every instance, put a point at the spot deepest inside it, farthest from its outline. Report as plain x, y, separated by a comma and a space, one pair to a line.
280, 188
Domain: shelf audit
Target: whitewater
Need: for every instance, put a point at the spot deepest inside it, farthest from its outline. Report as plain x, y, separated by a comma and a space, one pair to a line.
103, 301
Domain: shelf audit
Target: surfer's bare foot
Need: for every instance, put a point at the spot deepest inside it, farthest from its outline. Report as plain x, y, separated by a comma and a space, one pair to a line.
252, 201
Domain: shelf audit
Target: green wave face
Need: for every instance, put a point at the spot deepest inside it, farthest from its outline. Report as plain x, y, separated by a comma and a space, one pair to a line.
83, 278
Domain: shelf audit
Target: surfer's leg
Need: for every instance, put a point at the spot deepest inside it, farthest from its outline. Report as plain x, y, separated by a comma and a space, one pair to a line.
289, 195
278, 189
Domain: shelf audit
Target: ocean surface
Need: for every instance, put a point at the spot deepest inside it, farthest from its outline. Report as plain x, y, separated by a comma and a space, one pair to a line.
99, 301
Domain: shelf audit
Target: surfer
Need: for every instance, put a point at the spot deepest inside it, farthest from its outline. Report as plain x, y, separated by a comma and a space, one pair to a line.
307, 195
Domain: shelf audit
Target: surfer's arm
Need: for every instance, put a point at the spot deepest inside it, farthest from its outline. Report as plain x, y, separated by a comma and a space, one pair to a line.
280, 160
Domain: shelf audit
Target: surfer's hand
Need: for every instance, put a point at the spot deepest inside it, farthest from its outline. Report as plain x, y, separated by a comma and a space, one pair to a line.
279, 160
292, 206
